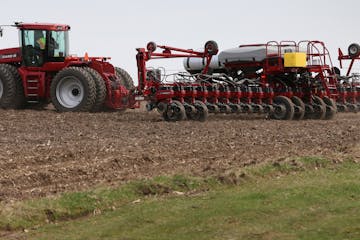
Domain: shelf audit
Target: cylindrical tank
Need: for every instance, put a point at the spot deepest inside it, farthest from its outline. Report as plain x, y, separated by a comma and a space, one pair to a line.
196, 65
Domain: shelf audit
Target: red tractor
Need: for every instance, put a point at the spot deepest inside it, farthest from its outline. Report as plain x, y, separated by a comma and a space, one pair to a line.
41, 70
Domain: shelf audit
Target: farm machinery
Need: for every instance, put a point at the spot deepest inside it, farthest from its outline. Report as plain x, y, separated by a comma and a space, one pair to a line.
283, 80
349, 85
42, 71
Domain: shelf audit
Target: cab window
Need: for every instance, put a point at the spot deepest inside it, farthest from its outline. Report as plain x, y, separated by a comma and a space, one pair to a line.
33, 45
58, 44
35, 38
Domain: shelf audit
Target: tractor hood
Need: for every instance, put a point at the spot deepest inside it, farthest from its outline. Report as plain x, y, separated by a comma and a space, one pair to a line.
10, 55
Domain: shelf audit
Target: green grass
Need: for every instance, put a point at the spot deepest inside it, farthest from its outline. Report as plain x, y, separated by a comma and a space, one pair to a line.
69, 206
309, 198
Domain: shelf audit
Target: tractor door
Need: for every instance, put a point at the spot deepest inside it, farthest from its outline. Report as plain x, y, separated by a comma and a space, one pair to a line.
33, 47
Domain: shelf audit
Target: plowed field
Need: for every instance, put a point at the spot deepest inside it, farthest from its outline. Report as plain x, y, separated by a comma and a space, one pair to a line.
45, 153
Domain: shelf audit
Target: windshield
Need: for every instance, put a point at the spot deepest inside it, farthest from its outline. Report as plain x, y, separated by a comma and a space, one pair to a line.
34, 38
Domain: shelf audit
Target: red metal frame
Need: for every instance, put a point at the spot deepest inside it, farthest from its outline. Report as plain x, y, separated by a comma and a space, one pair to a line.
350, 91
342, 57
144, 55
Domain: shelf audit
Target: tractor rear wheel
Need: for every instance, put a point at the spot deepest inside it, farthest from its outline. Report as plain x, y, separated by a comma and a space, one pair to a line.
283, 109
201, 112
100, 89
175, 112
319, 108
299, 115
73, 89
19, 99
125, 78
331, 108
7, 88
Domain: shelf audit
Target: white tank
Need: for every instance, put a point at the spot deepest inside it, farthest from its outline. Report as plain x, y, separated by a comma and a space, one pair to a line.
195, 65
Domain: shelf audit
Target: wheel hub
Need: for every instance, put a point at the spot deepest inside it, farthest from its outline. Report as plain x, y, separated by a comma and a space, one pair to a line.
280, 109
75, 92
70, 92
353, 50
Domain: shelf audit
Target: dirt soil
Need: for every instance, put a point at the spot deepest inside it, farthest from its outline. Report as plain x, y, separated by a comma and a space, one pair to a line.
46, 153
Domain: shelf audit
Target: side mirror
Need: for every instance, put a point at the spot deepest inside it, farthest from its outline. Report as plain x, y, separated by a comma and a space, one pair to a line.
1, 32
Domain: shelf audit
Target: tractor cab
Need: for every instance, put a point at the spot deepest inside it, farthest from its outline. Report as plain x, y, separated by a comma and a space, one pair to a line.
42, 43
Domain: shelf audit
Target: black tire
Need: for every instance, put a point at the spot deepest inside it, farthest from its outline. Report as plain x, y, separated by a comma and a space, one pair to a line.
201, 113
125, 78
100, 89
19, 99
73, 90
151, 46
331, 108
7, 88
211, 47
216, 109
175, 112
161, 107
299, 103
352, 108
285, 109
354, 50
321, 112
213, 108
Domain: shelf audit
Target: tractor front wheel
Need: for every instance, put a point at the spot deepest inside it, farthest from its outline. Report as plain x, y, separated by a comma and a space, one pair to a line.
72, 90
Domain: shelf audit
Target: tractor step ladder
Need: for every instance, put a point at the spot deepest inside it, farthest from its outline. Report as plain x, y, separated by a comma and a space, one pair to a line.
34, 86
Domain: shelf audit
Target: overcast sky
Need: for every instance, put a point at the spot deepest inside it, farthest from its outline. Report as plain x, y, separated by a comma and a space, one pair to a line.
115, 28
